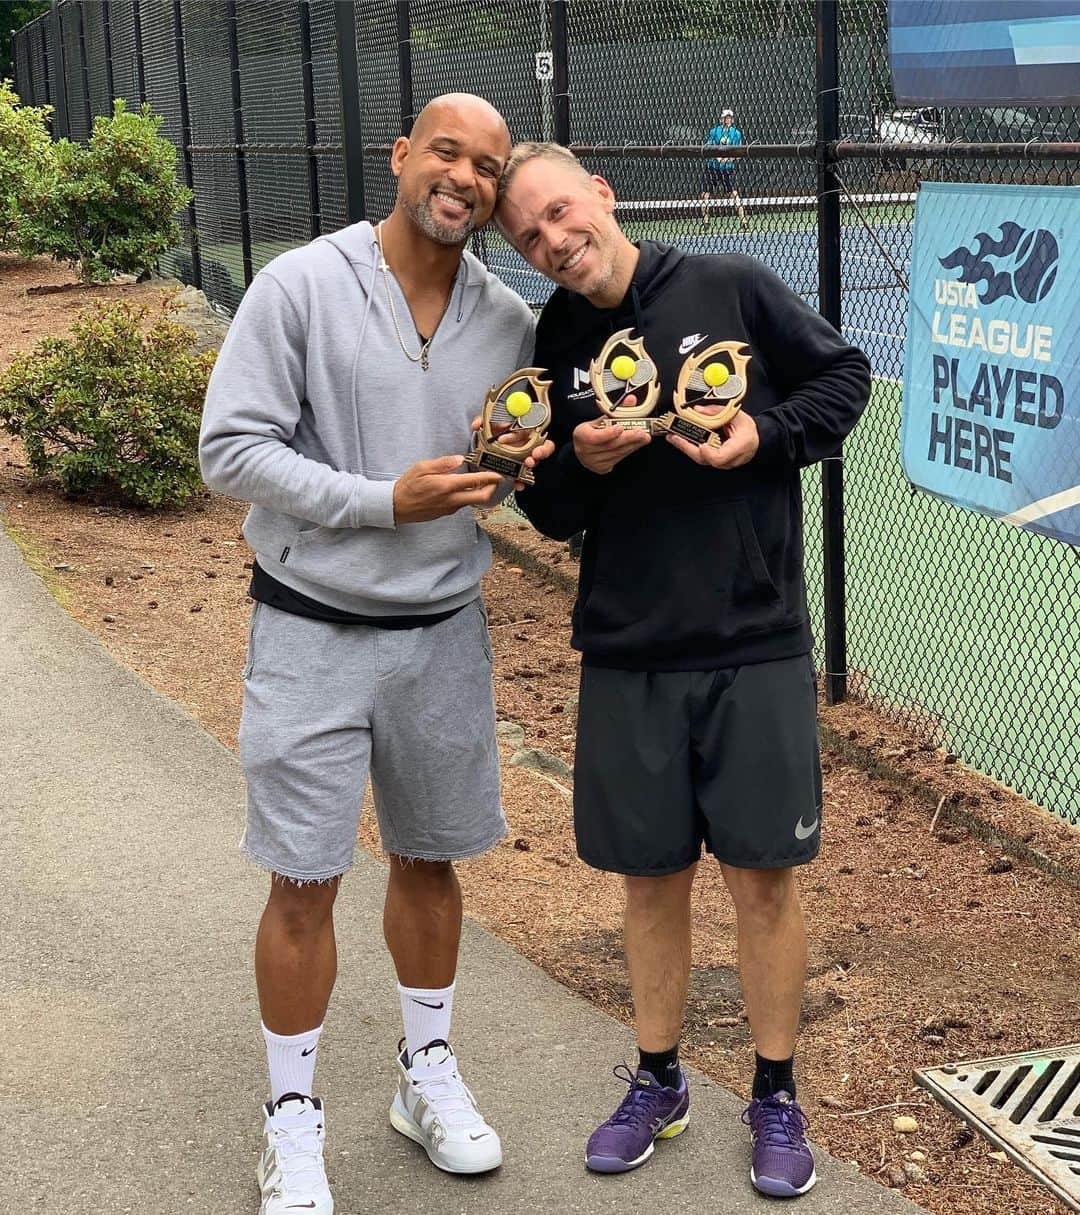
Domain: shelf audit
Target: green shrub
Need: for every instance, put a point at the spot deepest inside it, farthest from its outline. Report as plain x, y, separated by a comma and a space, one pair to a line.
112, 206
112, 410
26, 162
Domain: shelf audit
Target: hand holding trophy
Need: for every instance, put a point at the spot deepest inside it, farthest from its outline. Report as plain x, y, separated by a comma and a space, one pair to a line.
513, 423
623, 370
715, 381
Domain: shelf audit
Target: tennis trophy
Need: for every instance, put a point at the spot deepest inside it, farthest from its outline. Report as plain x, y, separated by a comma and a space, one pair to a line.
714, 377
513, 423
620, 369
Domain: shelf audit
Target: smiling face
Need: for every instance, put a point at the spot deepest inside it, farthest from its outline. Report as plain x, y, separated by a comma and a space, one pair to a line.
562, 221
448, 169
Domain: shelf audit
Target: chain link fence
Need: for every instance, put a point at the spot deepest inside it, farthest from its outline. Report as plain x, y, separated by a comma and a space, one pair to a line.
964, 628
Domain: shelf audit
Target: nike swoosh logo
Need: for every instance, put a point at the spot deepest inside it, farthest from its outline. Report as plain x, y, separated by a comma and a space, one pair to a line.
310, 1051
302, 1206
425, 1004
688, 343
482, 1135
804, 833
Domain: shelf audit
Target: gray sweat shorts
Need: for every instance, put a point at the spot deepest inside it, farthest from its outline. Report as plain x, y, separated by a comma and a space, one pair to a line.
325, 705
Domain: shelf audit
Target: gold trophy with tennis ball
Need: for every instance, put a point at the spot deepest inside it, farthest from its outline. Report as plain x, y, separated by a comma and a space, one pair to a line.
716, 376
513, 423
623, 369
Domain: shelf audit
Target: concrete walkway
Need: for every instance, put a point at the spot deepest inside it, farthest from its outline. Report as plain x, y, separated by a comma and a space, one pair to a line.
131, 1063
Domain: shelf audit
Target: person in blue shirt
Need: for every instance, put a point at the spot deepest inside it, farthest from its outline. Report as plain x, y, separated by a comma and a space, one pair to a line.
720, 174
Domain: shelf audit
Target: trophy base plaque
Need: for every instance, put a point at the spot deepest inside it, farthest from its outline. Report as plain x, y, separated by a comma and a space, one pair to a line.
701, 436
491, 461
649, 425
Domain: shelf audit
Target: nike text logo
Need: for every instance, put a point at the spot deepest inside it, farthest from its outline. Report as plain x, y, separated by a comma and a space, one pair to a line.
310, 1051
690, 341
424, 1003
804, 833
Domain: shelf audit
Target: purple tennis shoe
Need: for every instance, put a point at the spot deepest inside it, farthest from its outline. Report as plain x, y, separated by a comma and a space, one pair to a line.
783, 1164
648, 1112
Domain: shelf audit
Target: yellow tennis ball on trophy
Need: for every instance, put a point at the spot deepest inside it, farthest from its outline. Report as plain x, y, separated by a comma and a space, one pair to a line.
518, 404
715, 374
623, 367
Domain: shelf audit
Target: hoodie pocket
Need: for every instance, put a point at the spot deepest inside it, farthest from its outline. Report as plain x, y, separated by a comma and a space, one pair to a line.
679, 578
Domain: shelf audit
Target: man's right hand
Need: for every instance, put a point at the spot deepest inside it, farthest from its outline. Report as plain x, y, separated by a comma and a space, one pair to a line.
601, 444
431, 489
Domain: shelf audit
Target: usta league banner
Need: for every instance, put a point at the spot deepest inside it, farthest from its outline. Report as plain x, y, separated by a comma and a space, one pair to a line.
978, 52
992, 369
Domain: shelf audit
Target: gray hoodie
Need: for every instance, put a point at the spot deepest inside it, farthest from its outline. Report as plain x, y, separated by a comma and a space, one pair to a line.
313, 411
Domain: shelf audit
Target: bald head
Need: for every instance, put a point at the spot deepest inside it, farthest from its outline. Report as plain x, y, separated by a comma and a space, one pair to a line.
467, 108
448, 167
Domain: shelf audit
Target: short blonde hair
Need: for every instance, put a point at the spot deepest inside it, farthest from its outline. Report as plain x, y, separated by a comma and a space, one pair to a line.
522, 153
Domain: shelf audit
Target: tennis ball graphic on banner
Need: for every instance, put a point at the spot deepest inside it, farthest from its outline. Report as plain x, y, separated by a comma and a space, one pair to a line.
1035, 262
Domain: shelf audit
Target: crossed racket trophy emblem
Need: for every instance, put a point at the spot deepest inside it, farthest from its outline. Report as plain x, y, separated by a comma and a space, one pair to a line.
715, 376
518, 409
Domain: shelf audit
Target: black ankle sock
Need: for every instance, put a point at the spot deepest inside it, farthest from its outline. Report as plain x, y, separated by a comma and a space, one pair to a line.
663, 1064
772, 1076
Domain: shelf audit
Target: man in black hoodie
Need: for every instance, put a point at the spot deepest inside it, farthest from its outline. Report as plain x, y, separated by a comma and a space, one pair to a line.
697, 715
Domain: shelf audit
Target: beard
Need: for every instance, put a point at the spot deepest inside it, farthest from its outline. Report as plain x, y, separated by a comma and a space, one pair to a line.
443, 234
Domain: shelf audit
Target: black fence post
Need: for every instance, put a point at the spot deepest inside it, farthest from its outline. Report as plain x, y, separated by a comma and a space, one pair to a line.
186, 141
39, 32
405, 77
311, 127
60, 102
238, 138
832, 469
84, 73
352, 138
110, 84
560, 62
140, 66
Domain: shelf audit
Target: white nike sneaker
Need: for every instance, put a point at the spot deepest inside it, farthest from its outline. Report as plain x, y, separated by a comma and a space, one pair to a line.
434, 1108
291, 1173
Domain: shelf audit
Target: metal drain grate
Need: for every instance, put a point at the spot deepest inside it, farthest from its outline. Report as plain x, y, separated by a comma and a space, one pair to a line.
1028, 1105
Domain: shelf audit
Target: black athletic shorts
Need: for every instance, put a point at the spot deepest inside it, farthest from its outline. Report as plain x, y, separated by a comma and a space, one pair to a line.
669, 760
719, 181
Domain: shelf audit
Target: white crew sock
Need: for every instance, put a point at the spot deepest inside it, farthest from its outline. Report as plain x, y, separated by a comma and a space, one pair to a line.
292, 1061
426, 1013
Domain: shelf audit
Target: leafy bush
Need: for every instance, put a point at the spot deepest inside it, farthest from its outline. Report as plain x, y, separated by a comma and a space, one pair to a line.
26, 161
114, 409
112, 205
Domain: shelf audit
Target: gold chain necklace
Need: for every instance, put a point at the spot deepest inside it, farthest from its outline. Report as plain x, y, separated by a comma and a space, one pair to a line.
422, 356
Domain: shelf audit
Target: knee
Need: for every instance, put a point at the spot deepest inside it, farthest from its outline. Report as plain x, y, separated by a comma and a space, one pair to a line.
301, 909
765, 895
643, 893
426, 879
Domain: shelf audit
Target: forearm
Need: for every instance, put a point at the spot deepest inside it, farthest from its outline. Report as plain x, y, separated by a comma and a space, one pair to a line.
266, 472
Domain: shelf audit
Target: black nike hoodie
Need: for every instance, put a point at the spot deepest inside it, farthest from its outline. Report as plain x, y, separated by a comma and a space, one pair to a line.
686, 567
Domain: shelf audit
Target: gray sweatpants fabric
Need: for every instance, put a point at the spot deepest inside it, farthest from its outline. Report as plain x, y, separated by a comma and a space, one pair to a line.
325, 705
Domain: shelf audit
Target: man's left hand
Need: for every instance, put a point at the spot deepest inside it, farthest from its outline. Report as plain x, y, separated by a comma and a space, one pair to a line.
739, 447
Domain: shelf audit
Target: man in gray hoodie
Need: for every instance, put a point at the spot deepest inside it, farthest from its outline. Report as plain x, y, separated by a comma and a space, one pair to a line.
340, 407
